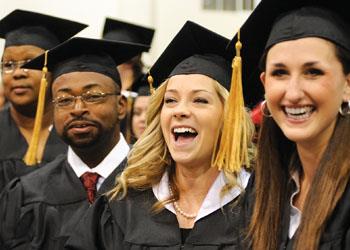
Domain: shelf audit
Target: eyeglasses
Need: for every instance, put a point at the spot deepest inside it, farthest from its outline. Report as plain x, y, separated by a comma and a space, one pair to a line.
9, 67
87, 97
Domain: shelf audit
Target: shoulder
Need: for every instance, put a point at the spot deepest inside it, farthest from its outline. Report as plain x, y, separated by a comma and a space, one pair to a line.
136, 206
35, 183
47, 169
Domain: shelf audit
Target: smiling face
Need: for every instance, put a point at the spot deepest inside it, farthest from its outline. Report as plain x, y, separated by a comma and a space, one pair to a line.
191, 118
305, 86
21, 87
84, 124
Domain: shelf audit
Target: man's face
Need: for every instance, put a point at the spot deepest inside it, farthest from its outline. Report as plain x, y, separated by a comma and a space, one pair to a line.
92, 119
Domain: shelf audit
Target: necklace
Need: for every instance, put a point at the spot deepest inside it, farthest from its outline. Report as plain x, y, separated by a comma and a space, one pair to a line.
179, 210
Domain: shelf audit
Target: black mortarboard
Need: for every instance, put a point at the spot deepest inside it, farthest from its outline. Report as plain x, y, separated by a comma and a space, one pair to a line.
273, 21
194, 50
22, 27
87, 55
122, 31
141, 86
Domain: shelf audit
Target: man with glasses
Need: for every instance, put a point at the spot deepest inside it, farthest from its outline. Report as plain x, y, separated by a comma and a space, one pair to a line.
27, 35
43, 207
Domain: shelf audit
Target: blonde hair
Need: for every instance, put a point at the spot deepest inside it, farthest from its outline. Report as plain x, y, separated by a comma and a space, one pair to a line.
150, 158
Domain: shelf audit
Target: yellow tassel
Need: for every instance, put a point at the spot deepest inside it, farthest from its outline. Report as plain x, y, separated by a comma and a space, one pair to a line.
233, 145
31, 157
150, 82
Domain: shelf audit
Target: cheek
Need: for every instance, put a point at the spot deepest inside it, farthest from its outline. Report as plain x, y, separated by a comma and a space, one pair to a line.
274, 91
212, 121
59, 120
6, 80
35, 76
165, 123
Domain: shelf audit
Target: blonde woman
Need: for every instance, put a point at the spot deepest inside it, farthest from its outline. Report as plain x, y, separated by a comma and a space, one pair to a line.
175, 193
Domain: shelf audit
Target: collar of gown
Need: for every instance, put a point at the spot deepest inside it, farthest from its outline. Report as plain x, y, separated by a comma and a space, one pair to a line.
212, 201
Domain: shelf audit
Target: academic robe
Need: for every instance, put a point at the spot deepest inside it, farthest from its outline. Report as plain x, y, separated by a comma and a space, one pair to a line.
129, 224
13, 147
336, 235
39, 210
337, 231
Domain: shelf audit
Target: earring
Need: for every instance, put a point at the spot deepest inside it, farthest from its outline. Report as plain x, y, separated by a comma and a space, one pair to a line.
264, 109
344, 108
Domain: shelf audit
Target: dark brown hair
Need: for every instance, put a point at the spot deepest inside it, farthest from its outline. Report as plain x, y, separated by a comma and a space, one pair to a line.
272, 176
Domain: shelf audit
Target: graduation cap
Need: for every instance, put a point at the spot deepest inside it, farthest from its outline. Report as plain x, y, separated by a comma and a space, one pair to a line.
22, 27
77, 55
197, 50
87, 55
122, 31
194, 50
273, 21
141, 86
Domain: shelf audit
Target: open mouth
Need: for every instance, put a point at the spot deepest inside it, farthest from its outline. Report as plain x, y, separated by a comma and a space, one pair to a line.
299, 113
182, 133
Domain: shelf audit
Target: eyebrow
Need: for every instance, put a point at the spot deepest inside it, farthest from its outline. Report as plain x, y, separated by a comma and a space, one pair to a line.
307, 64
194, 91
85, 88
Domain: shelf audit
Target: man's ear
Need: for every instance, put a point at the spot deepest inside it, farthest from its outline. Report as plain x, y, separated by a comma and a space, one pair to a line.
121, 107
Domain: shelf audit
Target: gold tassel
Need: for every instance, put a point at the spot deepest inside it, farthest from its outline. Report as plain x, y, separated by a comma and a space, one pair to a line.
31, 157
233, 146
150, 82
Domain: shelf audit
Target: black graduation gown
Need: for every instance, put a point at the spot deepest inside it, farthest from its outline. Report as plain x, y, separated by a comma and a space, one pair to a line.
39, 210
13, 147
129, 224
336, 235
337, 231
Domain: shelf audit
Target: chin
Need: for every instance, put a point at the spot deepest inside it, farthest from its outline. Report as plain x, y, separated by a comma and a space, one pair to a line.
81, 142
297, 136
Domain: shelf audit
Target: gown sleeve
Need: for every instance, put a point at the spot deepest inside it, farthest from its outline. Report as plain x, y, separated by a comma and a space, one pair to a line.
25, 226
12, 168
97, 229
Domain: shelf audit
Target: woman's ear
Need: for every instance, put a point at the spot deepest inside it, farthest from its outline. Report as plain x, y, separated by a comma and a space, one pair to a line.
262, 78
346, 95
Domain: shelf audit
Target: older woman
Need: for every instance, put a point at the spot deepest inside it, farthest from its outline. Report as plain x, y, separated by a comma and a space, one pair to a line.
175, 193
303, 168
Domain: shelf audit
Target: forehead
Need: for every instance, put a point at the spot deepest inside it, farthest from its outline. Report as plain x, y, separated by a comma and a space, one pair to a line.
141, 101
21, 52
191, 82
80, 81
310, 48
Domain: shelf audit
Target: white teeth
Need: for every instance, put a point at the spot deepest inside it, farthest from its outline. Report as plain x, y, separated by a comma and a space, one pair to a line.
184, 130
299, 113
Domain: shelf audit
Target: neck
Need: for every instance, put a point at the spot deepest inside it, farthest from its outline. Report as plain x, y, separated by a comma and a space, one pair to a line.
94, 155
310, 157
195, 182
25, 117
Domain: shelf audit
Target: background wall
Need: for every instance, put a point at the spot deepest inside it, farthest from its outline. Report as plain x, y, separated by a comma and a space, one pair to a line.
166, 16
